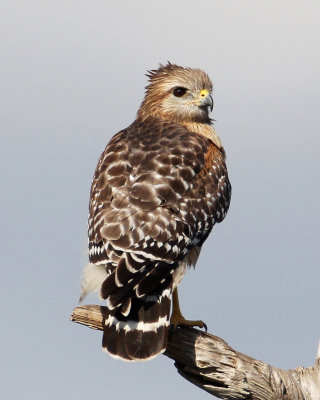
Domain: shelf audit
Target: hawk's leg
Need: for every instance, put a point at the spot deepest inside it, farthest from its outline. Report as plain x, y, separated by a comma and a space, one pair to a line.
177, 319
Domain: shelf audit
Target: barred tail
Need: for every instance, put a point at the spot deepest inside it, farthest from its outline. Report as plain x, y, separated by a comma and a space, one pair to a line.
138, 329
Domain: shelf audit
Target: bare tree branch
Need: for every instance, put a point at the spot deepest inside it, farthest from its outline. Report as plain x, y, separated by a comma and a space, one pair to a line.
210, 363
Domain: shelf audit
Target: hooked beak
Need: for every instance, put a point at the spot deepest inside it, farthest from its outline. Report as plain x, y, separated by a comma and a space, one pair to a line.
205, 99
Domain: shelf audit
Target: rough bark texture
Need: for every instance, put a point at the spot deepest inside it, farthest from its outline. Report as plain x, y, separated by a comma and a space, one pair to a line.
210, 363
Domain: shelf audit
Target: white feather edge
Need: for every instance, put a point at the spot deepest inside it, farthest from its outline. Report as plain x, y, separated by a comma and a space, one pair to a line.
116, 357
129, 325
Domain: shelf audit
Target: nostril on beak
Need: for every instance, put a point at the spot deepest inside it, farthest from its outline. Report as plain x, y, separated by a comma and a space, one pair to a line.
204, 93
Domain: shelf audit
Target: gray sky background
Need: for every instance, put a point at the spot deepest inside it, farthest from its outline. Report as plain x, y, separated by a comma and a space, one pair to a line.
72, 75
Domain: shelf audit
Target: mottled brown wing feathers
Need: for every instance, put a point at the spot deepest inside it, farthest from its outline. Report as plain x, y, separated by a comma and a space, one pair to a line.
158, 190
141, 170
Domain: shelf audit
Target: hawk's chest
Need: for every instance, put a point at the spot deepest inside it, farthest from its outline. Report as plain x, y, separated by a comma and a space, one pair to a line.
208, 177
211, 188
211, 160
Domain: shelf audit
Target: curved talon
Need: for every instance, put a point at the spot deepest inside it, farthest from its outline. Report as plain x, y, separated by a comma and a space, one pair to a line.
181, 321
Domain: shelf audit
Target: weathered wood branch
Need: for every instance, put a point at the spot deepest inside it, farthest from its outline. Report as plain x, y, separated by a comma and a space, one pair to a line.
210, 363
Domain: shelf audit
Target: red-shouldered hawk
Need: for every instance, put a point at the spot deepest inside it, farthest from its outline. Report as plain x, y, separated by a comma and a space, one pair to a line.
158, 189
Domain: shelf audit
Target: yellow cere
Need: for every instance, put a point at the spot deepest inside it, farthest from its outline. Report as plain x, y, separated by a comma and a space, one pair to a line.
203, 93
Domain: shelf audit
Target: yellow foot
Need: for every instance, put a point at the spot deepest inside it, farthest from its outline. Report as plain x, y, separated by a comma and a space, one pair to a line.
181, 321
177, 319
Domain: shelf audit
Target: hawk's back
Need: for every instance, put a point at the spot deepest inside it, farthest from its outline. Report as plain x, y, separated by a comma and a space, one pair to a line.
153, 178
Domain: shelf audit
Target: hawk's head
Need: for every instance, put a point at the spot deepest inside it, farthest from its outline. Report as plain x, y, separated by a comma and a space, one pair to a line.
177, 94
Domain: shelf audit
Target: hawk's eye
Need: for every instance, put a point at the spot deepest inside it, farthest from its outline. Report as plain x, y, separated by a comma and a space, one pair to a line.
179, 91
